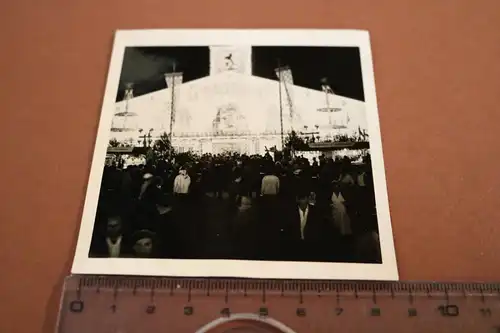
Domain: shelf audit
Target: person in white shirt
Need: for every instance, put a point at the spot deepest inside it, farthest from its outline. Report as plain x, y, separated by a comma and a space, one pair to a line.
346, 178
339, 211
270, 184
303, 209
182, 182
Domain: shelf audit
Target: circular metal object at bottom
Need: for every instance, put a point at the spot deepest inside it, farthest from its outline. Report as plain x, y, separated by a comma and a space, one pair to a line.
245, 326
245, 323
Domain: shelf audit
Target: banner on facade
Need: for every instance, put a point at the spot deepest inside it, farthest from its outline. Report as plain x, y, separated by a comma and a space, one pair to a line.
120, 150
333, 145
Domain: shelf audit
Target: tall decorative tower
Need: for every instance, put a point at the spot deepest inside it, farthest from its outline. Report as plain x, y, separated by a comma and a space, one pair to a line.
231, 58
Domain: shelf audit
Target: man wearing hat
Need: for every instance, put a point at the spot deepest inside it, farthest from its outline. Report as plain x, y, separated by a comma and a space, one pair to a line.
144, 244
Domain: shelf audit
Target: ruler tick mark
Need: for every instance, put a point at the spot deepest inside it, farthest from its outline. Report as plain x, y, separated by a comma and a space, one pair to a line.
79, 289
447, 297
152, 295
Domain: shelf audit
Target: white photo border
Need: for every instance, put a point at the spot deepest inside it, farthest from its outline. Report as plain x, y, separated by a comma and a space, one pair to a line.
387, 270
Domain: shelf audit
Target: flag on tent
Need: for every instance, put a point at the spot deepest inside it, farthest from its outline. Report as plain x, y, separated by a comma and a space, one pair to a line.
362, 133
325, 86
284, 74
129, 91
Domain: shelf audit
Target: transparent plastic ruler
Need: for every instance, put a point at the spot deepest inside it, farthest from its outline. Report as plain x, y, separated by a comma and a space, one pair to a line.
92, 304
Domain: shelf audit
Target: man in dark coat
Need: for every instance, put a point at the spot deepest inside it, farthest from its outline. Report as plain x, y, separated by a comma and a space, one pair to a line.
112, 242
307, 235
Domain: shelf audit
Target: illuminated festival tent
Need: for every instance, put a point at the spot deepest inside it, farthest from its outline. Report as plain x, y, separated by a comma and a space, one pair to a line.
231, 109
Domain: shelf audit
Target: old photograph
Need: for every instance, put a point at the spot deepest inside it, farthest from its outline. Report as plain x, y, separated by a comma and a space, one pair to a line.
238, 153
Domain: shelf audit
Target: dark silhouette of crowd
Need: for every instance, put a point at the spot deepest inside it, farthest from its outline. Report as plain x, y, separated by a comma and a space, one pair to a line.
232, 206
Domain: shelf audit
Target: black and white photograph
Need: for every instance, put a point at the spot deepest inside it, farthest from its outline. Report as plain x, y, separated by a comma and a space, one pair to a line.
238, 153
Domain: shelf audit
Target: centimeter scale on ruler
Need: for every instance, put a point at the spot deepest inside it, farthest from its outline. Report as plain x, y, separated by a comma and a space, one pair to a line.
125, 305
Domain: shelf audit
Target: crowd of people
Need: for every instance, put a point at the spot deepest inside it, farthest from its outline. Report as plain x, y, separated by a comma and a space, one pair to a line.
232, 206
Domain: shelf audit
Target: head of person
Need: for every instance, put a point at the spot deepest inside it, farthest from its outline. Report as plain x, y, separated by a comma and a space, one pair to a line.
148, 177
270, 169
237, 175
163, 204
244, 202
143, 243
346, 162
114, 226
302, 198
157, 181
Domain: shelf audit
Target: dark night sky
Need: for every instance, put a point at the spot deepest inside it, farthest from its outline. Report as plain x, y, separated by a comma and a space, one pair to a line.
145, 66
